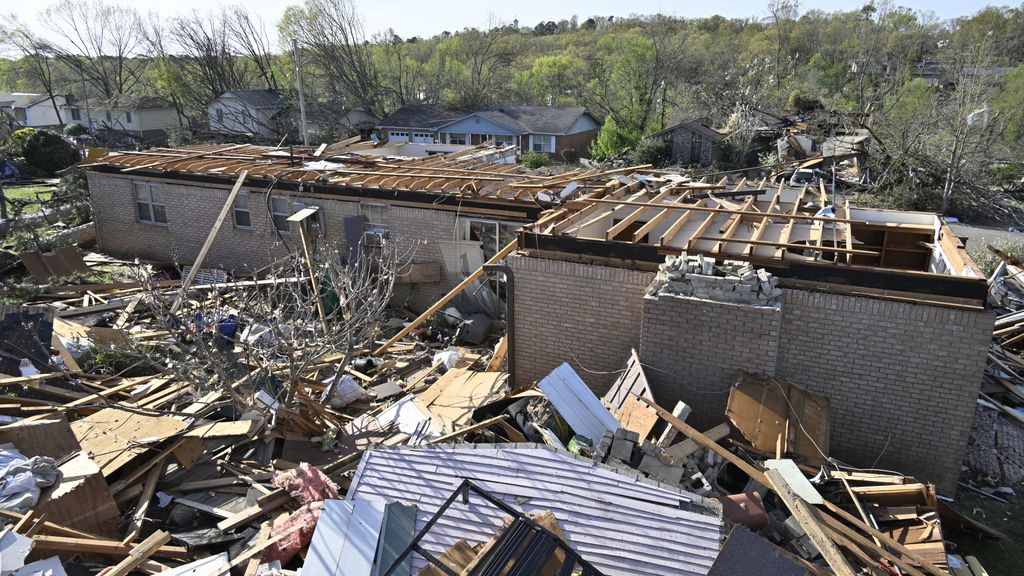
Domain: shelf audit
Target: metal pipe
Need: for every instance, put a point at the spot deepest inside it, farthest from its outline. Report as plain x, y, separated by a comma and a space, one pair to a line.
510, 315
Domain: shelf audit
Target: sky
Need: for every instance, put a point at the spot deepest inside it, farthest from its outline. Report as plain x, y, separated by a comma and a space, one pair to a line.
425, 18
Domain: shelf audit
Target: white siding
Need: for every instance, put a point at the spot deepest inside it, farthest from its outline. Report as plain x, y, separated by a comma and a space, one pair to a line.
620, 522
582, 124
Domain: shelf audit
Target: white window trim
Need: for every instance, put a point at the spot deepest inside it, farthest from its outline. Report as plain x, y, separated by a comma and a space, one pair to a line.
248, 210
149, 186
285, 214
548, 139
366, 209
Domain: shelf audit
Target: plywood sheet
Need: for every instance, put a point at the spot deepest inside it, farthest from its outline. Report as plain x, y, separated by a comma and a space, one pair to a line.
453, 398
765, 409
637, 417
51, 436
113, 437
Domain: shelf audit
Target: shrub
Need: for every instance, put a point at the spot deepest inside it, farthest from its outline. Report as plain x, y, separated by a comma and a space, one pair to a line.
533, 159
46, 152
179, 136
16, 143
570, 155
651, 151
75, 130
611, 141
800, 102
987, 260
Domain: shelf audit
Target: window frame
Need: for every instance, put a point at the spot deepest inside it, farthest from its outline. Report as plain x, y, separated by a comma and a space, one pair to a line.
235, 209
450, 138
274, 214
544, 140
366, 210
76, 114
127, 116
149, 202
319, 232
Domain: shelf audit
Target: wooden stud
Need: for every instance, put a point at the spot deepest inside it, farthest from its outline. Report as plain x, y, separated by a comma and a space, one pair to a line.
228, 205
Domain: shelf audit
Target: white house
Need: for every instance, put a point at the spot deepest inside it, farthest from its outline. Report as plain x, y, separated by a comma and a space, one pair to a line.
245, 112
25, 110
145, 119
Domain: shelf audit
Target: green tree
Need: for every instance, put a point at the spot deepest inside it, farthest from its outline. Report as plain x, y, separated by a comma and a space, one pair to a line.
612, 141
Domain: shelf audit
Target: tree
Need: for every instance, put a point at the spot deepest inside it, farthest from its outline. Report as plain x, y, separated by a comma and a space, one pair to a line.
331, 39
38, 53
484, 61
612, 141
104, 43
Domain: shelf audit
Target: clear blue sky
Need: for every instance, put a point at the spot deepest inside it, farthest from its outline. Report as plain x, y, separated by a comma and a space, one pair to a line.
426, 18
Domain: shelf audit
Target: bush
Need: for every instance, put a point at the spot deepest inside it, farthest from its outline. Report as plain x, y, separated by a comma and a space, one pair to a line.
651, 151
571, 156
75, 130
533, 159
16, 143
46, 152
179, 136
800, 102
612, 141
987, 260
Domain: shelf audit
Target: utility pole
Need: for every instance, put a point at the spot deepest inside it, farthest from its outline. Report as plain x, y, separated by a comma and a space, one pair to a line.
302, 103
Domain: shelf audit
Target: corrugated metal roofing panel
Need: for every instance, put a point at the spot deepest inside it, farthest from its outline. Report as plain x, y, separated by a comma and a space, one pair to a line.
573, 399
620, 521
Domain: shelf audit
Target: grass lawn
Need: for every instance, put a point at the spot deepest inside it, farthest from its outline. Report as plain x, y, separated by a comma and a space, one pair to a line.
29, 193
997, 556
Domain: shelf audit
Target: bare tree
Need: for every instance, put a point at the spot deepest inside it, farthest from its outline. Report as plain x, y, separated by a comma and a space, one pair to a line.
250, 39
105, 43
39, 53
487, 59
270, 332
331, 38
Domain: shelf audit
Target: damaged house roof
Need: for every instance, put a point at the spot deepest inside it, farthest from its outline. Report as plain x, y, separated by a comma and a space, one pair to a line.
620, 522
799, 232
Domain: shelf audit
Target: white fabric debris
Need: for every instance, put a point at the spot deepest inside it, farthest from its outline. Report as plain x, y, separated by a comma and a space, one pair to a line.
347, 391
21, 478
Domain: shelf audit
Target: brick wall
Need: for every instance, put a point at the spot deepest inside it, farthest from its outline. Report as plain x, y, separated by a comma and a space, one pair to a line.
580, 142
566, 310
895, 373
192, 211
901, 378
690, 349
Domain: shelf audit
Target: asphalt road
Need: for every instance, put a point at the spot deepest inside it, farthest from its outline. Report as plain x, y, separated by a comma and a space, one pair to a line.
982, 235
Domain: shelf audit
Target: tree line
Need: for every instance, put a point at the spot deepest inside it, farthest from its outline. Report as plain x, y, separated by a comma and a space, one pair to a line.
942, 98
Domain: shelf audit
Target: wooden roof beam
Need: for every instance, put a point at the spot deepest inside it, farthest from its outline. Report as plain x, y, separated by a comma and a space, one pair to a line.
676, 226
609, 212
787, 231
732, 223
629, 220
701, 229
653, 222
592, 208
763, 224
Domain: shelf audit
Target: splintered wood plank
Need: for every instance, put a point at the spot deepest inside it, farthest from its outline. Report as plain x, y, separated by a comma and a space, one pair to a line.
113, 437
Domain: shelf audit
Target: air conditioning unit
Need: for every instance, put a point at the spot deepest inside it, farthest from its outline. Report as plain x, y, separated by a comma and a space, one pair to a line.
374, 238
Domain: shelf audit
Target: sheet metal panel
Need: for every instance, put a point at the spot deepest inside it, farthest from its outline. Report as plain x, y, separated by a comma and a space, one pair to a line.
573, 399
616, 519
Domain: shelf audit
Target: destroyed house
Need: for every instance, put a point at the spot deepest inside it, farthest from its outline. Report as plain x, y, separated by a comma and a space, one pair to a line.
881, 312
161, 205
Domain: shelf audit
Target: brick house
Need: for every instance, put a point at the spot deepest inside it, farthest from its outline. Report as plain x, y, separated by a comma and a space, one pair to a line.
694, 142
881, 312
161, 208
552, 130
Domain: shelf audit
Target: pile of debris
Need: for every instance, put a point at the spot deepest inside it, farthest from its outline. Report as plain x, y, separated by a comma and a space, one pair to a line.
699, 277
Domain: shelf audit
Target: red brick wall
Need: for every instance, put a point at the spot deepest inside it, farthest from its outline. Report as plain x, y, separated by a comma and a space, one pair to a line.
579, 141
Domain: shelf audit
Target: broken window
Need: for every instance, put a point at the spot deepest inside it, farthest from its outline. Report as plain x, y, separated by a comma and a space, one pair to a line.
243, 219
491, 234
149, 205
279, 213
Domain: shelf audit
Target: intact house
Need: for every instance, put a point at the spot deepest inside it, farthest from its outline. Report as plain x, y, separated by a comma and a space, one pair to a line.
145, 119
552, 130
882, 312
161, 204
246, 112
694, 142
25, 110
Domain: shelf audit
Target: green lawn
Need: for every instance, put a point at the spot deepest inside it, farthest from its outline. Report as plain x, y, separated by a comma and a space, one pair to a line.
29, 193
999, 557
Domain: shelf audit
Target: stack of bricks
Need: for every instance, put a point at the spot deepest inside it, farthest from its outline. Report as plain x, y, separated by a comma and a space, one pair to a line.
732, 281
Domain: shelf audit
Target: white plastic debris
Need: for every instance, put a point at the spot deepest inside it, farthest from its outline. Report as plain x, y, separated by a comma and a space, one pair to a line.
26, 367
347, 391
